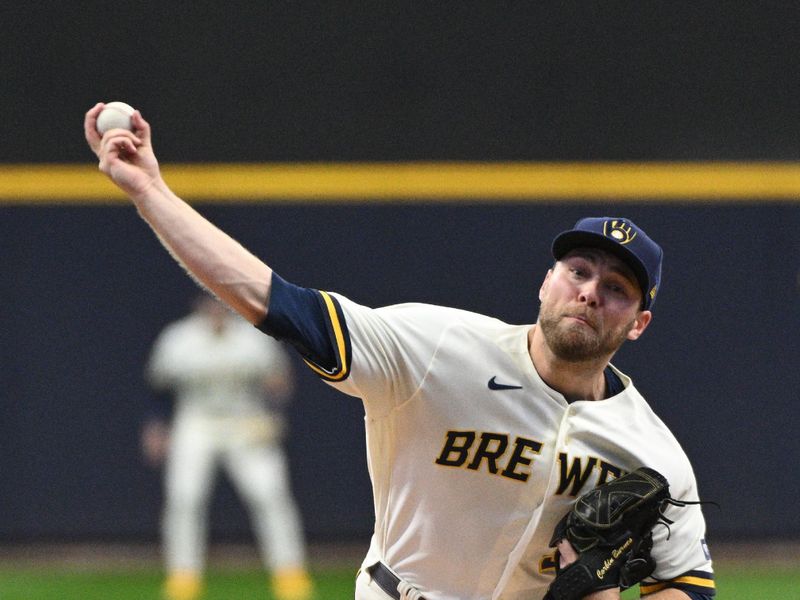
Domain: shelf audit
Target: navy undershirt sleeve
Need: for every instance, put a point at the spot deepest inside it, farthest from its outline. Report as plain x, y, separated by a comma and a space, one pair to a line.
296, 315
614, 384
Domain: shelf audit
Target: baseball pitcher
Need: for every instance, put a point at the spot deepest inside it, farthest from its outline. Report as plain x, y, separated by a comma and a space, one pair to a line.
508, 462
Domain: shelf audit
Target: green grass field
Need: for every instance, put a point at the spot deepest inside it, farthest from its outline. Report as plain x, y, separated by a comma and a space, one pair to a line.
733, 583
145, 585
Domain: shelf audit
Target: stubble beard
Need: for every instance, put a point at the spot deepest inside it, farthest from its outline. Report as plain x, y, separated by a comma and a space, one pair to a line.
574, 342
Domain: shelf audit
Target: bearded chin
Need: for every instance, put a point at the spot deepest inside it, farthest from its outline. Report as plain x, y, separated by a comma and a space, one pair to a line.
576, 343
571, 346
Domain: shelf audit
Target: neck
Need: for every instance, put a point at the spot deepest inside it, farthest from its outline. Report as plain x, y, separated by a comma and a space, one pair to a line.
583, 380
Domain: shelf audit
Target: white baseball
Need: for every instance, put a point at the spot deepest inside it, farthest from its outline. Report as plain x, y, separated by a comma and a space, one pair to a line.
115, 115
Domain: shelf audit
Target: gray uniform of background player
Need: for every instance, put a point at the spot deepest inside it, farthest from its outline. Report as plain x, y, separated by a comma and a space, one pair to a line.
227, 379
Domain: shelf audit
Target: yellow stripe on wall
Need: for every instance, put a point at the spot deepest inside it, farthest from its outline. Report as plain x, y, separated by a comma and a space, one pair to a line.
420, 181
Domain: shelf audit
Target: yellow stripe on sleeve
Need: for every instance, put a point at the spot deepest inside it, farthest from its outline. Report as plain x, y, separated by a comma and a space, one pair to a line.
341, 348
698, 581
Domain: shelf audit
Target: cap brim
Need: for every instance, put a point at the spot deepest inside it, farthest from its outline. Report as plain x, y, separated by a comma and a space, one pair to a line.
569, 240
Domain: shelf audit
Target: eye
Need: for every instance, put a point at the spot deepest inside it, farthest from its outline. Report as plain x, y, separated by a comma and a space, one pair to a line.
619, 289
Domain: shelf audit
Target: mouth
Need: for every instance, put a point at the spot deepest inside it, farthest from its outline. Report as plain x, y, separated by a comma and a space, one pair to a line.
582, 319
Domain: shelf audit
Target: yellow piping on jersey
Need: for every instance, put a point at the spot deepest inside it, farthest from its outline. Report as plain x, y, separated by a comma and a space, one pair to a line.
340, 344
702, 582
698, 581
650, 588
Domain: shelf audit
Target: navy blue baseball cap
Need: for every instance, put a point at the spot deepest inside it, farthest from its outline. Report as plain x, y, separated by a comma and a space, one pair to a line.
623, 238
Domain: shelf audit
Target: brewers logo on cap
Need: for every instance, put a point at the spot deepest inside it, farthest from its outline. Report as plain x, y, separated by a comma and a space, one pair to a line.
619, 231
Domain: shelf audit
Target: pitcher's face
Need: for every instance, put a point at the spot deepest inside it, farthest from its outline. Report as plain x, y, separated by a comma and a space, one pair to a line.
590, 304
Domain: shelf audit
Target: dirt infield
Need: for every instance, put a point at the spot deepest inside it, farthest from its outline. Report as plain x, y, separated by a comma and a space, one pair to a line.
93, 556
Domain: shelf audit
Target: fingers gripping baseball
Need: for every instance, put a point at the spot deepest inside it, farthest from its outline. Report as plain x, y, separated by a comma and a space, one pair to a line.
126, 157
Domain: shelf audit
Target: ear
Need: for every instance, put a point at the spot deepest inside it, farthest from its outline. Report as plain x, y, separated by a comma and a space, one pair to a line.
545, 284
640, 323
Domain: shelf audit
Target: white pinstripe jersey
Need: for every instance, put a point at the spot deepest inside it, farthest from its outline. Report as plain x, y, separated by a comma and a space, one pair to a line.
469, 481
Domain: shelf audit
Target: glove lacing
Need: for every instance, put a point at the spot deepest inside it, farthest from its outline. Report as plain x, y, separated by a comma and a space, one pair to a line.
663, 520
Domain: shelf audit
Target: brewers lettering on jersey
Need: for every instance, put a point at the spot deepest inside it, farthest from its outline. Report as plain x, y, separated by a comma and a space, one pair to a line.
480, 434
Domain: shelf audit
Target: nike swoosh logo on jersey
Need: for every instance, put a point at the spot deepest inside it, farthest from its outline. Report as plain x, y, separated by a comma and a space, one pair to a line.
493, 385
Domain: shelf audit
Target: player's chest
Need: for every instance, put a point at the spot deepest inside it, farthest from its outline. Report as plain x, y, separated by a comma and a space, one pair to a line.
203, 352
497, 421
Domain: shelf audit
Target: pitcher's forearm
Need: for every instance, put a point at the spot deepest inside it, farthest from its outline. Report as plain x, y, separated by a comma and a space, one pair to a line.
211, 257
214, 259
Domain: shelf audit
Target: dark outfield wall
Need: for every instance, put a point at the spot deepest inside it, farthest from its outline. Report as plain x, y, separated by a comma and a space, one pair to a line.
407, 80
85, 289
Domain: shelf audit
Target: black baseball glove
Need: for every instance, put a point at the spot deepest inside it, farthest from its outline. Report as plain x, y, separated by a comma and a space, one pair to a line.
610, 528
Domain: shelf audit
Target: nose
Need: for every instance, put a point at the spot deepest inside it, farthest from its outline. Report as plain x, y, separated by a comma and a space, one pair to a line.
589, 292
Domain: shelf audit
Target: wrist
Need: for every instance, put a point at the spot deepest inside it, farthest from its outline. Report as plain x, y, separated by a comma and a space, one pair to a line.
151, 190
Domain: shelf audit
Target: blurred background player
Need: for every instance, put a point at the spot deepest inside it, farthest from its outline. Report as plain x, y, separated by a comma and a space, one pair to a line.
229, 383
